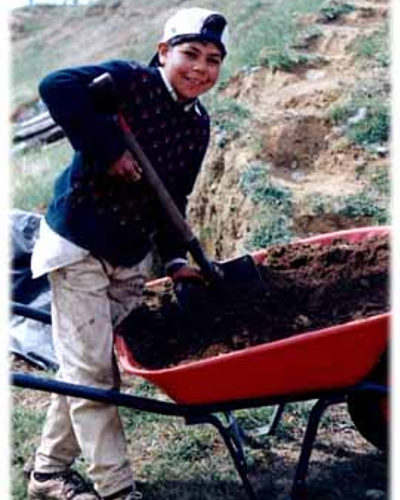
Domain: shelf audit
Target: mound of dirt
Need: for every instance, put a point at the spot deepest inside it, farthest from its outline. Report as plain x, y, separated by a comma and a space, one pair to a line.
309, 286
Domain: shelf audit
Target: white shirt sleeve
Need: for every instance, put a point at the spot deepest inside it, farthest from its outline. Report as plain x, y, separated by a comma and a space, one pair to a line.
52, 251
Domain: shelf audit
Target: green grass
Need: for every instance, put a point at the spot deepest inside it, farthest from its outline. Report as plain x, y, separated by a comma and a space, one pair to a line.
373, 95
274, 207
372, 201
267, 40
26, 429
374, 127
33, 172
374, 48
229, 118
334, 10
366, 203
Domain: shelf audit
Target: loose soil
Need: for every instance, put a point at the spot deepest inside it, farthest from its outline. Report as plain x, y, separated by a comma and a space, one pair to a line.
308, 287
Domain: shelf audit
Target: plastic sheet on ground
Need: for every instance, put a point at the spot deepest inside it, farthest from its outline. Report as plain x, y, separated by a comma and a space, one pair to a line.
29, 339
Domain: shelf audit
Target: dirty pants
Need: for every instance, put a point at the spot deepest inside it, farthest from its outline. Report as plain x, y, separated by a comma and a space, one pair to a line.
89, 298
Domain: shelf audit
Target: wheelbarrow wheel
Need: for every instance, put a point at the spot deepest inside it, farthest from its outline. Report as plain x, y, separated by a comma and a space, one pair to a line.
369, 412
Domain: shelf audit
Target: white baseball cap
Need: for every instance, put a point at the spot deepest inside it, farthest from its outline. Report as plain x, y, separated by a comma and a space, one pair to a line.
195, 23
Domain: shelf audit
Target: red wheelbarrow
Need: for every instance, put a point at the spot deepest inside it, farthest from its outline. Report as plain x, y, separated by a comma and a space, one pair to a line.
344, 363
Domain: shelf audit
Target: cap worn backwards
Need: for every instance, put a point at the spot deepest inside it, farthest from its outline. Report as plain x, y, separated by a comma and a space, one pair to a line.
195, 24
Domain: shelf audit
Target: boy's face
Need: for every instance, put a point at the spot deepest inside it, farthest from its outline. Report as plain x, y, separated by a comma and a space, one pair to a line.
192, 68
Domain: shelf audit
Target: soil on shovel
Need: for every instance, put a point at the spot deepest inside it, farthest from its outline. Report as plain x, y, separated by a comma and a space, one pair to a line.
310, 286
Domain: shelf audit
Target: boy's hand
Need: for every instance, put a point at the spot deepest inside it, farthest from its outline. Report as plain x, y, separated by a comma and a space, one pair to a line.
126, 167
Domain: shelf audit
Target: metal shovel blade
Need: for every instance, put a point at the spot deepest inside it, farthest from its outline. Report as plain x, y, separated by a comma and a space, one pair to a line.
241, 275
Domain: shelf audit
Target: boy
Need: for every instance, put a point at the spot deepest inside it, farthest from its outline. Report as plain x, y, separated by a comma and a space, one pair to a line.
96, 239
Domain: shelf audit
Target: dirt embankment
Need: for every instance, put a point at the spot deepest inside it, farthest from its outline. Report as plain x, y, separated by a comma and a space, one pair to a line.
291, 130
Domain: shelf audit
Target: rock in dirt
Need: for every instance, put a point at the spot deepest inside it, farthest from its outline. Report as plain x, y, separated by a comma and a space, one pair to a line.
310, 286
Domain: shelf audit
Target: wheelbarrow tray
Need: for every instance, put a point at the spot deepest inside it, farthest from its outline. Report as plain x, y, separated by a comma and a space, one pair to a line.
330, 358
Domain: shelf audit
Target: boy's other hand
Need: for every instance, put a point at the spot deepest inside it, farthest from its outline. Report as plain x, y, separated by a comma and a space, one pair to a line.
187, 273
126, 167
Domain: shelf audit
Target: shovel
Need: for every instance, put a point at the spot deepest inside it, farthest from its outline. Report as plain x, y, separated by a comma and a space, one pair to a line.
239, 275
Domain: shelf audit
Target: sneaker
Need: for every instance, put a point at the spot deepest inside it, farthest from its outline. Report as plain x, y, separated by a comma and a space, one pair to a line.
65, 485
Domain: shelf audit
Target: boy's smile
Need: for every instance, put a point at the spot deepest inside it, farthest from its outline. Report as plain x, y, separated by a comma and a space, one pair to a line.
192, 68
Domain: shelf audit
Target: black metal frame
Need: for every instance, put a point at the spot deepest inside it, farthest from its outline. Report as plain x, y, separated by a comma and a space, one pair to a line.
234, 437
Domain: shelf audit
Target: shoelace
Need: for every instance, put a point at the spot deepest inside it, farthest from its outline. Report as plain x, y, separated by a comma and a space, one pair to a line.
75, 484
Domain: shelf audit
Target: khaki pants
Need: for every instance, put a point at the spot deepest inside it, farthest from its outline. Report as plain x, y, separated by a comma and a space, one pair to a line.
90, 297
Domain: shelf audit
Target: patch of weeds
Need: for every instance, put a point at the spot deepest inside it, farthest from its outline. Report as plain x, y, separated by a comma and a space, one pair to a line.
272, 31
306, 36
320, 204
365, 115
254, 417
372, 201
366, 203
179, 451
274, 203
286, 60
189, 444
342, 112
26, 429
269, 229
335, 10
229, 118
256, 183
374, 47
380, 179
374, 128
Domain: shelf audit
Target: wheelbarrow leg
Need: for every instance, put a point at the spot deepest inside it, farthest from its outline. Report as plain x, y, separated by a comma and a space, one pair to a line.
236, 436
232, 440
299, 491
250, 436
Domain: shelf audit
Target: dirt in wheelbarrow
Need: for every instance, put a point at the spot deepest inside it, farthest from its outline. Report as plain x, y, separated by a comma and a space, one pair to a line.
309, 286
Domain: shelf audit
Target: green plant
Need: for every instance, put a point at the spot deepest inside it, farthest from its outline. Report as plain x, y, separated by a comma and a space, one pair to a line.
286, 59
374, 128
342, 112
374, 47
228, 115
335, 10
192, 444
274, 202
365, 114
320, 204
256, 183
366, 203
372, 201
380, 180
270, 229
